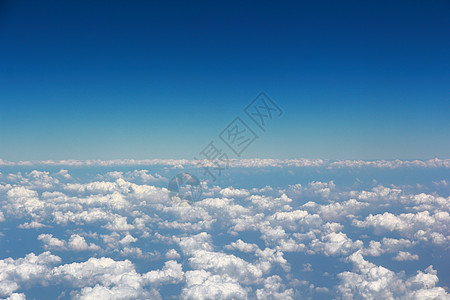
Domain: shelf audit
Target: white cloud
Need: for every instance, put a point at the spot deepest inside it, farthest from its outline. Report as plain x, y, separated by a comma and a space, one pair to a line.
172, 272
17, 296
87, 216
51, 242
335, 244
102, 271
114, 175
32, 269
222, 208
422, 225
23, 201
119, 224
402, 256
41, 180
242, 246
93, 187
370, 281
32, 225
78, 243
128, 239
75, 243
115, 279
268, 202
274, 289
231, 192
221, 263
64, 174
336, 210
387, 245
190, 244
145, 177
201, 285
246, 163
293, 220
432, 163
172, 254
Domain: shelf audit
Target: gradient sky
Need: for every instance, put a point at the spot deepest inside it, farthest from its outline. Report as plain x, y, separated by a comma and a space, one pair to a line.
161, 79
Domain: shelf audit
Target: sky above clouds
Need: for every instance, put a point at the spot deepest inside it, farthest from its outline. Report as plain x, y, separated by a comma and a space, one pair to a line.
113, 80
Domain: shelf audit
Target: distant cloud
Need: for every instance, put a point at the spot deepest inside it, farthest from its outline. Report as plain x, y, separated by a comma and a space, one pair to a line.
246, 163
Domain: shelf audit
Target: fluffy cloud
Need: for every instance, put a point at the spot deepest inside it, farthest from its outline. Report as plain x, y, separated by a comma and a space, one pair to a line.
274, 289
336, 210
221, 263
78, 243
50, 242
32, 225
17, 296
201, 284
75, 243
242, 246
387, 245
231, 192
31, 269
22, 202
335, 244
370, 281
422, 225
172, 254
402, 256
119, 224
172, 272
115, 279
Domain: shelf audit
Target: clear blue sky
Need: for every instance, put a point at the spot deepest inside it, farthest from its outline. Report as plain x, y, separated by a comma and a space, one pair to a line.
160, 79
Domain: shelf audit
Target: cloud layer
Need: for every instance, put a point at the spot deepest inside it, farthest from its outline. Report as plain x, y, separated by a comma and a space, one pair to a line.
115, 233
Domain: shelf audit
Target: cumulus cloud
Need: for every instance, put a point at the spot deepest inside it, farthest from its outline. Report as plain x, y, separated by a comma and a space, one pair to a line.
22, 202
78, 243
231, 192
201, 284
172, 254
402, 256
221, 263
370, 281
75, 243
274, 289
51, 242
145, 177
336, 210
335, 244
119, 224
32, 225
32, 269
422, 225
387, 245
242, 246
116, 279
17, 296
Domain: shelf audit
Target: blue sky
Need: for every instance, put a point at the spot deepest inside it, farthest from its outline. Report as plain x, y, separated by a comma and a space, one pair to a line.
140, 80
